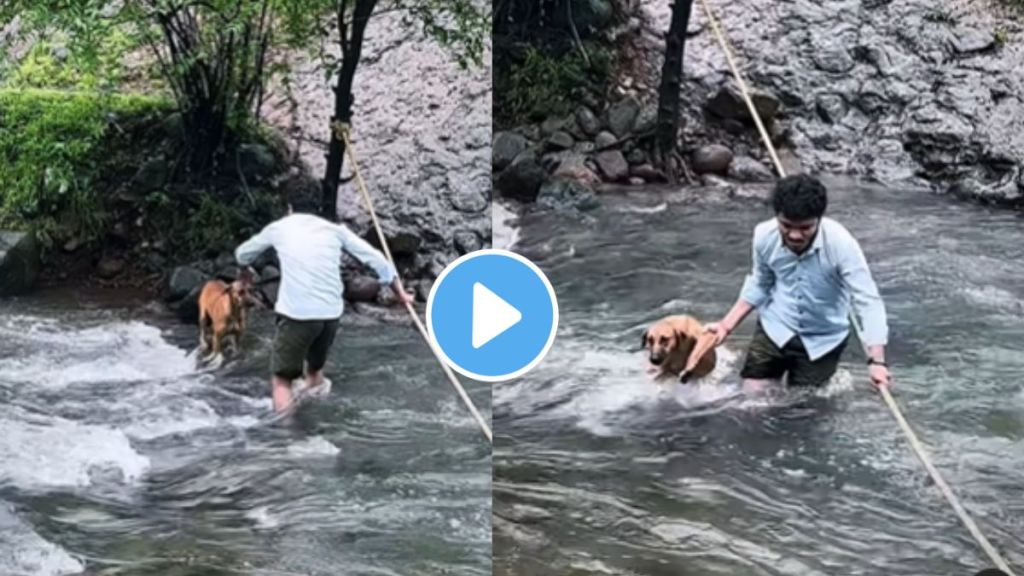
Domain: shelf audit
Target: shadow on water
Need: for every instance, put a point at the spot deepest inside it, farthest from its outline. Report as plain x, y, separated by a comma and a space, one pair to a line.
600, 471
121, 458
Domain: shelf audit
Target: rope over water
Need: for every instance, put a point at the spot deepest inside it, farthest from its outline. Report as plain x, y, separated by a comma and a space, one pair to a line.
915, 444
343, 130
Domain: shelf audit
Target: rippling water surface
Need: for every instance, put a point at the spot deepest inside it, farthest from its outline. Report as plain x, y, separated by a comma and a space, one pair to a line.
119, 457
599, 471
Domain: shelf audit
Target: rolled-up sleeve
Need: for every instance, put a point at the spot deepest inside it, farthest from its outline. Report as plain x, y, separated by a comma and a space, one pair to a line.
249, 250
759, 282
867, 302
367, 254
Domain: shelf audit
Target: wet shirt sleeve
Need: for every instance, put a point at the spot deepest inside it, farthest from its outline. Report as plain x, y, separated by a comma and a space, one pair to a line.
759, 282
249, 250
366, 254
867, 302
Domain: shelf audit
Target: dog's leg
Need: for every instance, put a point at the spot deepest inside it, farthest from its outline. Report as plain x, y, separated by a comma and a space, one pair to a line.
202, 332
219, 331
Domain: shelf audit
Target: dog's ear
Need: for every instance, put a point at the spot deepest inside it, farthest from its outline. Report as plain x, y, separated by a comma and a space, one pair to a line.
643, 340
684, 341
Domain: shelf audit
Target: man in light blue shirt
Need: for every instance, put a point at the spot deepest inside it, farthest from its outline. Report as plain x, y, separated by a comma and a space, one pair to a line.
310, 299
808, 273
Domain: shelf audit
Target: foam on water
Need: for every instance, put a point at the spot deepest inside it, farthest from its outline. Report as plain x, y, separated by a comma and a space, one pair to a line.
49, 452
505, 232
117, 352
315, 446
169, 415
25, 553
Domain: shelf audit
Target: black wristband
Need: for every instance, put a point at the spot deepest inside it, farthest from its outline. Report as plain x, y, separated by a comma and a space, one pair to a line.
879, 362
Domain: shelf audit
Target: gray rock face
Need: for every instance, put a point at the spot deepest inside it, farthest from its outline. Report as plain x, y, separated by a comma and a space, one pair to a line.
896, 91
421, 128
20, 262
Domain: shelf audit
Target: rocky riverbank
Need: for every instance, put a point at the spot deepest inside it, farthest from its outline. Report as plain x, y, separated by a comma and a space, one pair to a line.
422, 133
422, 130
911, 93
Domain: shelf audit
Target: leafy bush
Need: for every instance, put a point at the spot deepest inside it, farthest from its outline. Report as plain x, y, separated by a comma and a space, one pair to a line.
53, 155
541, 85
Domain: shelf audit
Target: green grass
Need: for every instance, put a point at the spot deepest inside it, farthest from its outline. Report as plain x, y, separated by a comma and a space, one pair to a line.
54, 152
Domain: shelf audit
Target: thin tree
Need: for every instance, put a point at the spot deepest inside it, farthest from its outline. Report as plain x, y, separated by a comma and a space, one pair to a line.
666, 138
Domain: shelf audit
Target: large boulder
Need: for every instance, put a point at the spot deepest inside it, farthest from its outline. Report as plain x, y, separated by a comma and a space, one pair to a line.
712, 158
522, 179
506, 147
613, 165
361, 288
20, 262
622, 115
182, 281
746, 169
728, 104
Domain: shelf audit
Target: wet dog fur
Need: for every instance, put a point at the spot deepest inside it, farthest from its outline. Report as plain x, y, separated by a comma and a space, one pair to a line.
224, 314
670, 342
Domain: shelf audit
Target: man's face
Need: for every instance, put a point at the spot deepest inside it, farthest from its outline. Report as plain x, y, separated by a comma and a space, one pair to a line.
797, 234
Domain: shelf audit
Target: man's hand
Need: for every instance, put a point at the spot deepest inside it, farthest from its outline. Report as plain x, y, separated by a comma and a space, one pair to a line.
720, 331
401, 295
405, 297
879, 375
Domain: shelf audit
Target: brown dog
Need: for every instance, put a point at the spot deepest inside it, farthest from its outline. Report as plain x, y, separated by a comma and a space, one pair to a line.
223, 313
680, 348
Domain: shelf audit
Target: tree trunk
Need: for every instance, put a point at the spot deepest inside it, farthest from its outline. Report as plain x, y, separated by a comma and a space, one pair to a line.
667, 131
343, 98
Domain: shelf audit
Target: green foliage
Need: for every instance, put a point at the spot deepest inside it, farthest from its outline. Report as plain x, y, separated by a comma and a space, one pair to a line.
53, 156
457, 25
1001, 36
542, 85
460, 26
50, 65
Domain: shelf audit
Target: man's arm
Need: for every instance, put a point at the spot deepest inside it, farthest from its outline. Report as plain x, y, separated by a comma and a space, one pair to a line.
756, 289
373, 258
867, 302
868, 307
249, 250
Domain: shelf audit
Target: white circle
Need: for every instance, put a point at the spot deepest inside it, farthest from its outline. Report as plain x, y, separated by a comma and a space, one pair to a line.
554, 316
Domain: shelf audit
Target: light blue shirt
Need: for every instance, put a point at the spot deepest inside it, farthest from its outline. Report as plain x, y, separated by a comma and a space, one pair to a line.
811, 295
309, 249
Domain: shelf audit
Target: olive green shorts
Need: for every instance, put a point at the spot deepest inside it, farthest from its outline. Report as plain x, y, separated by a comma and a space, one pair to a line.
766, 361
298, 342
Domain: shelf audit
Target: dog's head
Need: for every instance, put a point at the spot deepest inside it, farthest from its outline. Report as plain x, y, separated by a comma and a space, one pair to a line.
662, 339
243, 291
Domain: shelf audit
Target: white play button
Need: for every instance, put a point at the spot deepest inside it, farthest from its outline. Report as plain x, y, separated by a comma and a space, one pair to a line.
491, 315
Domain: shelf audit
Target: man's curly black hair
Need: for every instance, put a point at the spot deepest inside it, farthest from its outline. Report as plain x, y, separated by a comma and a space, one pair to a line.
800, 197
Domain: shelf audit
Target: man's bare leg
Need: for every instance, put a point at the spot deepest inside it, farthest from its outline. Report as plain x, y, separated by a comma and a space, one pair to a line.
282, 393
